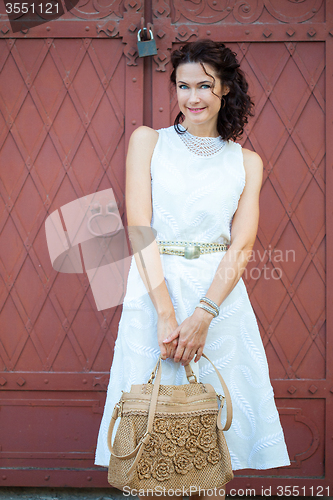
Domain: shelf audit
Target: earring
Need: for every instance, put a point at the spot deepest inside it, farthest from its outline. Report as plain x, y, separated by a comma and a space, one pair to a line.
223, 102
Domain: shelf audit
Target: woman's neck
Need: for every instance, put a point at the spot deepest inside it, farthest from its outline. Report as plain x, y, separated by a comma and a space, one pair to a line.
201, 130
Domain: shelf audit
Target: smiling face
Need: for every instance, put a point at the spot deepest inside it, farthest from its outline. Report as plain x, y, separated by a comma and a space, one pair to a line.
196, 99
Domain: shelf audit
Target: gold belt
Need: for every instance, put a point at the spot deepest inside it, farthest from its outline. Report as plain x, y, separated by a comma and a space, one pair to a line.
189, 249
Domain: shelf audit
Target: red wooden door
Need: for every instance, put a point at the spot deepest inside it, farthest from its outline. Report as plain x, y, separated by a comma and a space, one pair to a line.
83, 91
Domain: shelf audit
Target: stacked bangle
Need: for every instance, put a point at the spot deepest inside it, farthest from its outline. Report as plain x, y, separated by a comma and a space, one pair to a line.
208, 309
212, 304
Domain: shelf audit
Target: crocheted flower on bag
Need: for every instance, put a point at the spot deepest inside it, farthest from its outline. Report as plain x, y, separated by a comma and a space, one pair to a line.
208, 420
214, 456
162, 469
153, 445
195, 426
160, 425
144, 467
168, 449
191, 444
183, 461
206, 439
178, 432
200, 460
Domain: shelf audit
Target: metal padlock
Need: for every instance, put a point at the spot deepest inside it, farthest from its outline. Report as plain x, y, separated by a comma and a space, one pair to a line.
146, 47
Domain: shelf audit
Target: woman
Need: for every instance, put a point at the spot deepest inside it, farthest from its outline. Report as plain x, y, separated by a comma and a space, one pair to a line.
192, 183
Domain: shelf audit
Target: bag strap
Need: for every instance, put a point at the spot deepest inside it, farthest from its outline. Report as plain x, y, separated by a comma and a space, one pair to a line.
114, 417
227, 397
145, 438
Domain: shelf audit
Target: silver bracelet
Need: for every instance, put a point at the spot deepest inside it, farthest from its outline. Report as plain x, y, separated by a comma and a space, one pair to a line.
211, 303
208, 309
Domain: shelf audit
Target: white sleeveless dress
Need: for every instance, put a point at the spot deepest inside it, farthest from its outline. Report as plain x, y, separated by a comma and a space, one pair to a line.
196, 185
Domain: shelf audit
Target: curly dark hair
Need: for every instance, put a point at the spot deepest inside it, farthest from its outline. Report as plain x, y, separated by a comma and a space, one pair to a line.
233, 115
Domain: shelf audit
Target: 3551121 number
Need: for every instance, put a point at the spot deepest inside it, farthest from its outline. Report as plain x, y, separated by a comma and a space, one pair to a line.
295, 491
23, 8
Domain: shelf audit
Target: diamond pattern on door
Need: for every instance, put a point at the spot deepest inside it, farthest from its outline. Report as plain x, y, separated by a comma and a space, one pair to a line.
288, 88
73, 93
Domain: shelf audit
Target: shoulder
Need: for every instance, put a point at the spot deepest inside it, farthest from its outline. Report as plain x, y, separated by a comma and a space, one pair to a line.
253, 166
140, 151
144, 135
252, 160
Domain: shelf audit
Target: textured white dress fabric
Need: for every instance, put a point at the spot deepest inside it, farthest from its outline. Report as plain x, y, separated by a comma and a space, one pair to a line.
195, 193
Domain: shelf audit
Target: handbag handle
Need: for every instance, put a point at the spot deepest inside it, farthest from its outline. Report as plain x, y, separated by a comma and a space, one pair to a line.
152, 407
189, 374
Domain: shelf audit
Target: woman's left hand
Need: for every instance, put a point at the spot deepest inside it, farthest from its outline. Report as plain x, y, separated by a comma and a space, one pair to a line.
192, 333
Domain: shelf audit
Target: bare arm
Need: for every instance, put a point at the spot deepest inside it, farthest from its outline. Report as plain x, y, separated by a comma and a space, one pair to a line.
243, 232
193, 330
139, 212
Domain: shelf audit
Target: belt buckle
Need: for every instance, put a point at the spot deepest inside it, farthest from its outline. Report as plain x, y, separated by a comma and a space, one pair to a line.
192, 252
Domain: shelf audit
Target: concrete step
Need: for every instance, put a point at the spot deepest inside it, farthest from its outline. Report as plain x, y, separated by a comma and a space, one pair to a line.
11, 493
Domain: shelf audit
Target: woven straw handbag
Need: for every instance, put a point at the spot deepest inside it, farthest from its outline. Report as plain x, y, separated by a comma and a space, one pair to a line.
170, 436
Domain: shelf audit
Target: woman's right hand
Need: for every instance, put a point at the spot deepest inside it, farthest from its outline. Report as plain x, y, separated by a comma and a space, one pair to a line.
166, 324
